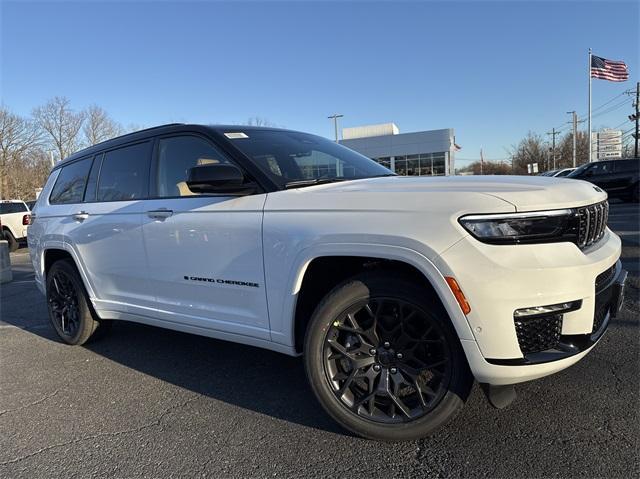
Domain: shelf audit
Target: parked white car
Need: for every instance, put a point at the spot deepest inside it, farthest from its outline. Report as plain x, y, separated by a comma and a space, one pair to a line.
398, 291
562, 172
14, 220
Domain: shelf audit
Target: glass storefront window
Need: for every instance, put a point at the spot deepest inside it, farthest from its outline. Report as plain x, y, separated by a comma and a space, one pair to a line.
424, 164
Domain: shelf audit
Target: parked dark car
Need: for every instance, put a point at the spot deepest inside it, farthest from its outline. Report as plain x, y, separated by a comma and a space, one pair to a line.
619, 178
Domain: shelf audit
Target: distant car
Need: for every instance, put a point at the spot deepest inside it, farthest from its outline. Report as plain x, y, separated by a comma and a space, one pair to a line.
619, 178
15, 217
558, 173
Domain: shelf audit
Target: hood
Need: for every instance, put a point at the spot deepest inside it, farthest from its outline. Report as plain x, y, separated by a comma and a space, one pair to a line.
525, 193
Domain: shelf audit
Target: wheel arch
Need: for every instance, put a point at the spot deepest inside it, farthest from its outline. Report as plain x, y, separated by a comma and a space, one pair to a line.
60, 251
319, 273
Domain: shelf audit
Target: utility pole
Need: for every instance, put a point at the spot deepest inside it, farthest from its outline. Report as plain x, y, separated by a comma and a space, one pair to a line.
575, 133
481, 162
553, 134
635, 150
335, 117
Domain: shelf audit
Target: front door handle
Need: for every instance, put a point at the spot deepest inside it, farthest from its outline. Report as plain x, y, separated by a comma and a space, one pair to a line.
81, 216
159, 214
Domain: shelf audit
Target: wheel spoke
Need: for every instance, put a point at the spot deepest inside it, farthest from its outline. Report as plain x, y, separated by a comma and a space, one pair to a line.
370, 376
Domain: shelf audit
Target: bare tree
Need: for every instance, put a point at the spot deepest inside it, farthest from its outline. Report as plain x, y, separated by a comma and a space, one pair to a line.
531, 149
566, 150
99, 126
18, 137
488, 168
258, 121
61, 124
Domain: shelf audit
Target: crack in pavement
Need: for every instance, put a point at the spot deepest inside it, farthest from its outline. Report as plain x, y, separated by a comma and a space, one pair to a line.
34, 403
151, 424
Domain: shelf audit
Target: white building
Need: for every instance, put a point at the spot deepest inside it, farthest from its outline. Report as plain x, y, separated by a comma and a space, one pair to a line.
421, 153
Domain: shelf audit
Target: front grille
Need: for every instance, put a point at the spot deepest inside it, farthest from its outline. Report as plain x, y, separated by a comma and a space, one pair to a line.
538, 334
592, 221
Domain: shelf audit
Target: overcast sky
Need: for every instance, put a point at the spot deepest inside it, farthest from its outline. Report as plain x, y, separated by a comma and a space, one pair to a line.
492, 71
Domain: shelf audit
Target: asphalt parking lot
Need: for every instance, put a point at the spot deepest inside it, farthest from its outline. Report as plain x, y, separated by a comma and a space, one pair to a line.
146, 402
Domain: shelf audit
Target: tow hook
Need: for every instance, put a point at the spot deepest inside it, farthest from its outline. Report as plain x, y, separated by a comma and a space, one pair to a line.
499, 396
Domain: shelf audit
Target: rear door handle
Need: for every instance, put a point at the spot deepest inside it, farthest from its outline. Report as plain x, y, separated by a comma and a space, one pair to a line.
81, 216
159, 214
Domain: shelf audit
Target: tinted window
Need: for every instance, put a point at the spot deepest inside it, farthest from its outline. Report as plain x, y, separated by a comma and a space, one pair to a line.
627, 165
7, 208
175, 156
601, 168
69, 186
125, 173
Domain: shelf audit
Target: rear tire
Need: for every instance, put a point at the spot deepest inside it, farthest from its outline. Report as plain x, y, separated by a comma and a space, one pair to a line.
413, 380
13, 243
70, 311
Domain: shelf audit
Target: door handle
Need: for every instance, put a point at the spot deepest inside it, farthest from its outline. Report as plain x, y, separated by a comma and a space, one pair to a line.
81, 216
159, 214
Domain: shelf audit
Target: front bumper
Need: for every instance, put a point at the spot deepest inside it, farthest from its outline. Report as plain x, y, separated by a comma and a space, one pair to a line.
497, 280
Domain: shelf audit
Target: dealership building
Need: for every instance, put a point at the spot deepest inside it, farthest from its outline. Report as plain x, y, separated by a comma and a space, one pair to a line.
420, 153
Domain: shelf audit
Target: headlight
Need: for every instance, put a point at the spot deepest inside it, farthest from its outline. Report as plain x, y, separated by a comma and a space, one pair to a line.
532, 227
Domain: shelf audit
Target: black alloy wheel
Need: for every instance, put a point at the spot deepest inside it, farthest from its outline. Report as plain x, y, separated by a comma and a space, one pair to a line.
387, 361
63, 304
70, 312
383, 358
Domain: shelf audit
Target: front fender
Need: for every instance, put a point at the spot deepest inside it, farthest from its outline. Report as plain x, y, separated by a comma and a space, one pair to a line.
282, 299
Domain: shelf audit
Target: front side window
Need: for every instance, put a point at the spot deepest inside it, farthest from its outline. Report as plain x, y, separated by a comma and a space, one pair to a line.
70, 184
290, 157
125, 173
603, 168
175, 156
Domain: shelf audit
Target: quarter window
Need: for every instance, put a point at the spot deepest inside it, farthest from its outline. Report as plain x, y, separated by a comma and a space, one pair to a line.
176, 155
70, 183
125, 173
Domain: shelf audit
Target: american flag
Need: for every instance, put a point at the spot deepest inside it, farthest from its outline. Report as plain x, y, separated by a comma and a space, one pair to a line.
611, 70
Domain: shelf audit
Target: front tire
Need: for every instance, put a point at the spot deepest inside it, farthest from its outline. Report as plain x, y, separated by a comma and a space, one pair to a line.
384, 360
69, 310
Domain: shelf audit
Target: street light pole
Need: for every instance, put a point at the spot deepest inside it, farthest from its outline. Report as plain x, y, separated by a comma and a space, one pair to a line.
335, 117
575, 132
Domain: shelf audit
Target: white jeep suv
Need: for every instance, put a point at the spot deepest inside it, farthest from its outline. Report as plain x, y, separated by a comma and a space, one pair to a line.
398, 291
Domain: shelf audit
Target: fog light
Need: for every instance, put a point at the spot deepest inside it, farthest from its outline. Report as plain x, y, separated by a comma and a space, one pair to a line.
559, 308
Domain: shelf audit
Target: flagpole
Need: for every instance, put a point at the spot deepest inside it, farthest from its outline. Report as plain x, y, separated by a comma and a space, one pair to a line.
590, 144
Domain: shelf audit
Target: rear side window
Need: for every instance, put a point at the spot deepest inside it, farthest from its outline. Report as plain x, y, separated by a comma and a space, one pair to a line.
125, 173
70, 184
7, 208
627, 166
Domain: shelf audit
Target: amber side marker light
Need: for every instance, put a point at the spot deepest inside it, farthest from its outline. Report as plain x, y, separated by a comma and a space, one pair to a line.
457, 292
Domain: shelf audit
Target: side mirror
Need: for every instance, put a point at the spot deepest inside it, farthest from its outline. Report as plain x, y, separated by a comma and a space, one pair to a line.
218, 179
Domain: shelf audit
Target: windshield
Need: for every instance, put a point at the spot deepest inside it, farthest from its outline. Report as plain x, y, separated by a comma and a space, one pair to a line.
579, 170
297, 159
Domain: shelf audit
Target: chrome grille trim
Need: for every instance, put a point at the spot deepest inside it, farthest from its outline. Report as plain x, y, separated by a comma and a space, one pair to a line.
592, 223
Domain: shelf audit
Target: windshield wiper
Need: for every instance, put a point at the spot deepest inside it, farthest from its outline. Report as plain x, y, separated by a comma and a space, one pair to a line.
310, 182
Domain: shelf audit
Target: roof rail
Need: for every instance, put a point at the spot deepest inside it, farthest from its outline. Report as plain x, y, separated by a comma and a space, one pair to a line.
147, 129
82, 151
